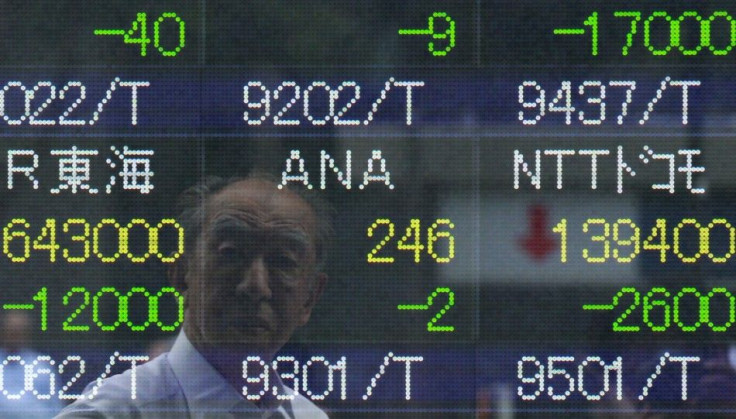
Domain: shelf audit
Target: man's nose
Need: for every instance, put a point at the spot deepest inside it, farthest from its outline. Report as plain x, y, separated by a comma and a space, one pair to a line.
255, 280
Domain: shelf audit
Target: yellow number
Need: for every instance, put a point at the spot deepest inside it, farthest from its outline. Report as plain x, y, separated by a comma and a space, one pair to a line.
412, 234
632, 241
121, 240
433, 236
561, 228
9, 236
659, 231
703, 244
83, 237
372, 255
731, 240
152, 240
153, 237
48, 231
599, 238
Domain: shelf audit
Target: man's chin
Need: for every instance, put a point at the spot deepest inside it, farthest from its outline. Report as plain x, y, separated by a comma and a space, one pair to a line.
254, 334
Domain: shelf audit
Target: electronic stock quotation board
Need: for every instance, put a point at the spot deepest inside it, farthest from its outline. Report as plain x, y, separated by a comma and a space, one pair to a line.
534, 208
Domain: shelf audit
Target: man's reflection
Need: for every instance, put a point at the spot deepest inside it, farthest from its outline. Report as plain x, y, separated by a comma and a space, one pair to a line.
250, 278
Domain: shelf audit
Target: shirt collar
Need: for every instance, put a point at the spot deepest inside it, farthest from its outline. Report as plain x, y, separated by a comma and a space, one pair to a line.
206, 390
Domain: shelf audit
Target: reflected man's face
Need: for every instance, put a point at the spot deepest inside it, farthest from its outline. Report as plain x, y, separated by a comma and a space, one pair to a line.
252, 279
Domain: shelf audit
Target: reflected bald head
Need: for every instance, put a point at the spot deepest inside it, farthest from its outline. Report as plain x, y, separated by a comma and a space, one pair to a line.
193, 207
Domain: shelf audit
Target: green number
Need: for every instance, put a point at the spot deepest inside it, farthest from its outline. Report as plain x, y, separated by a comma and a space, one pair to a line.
67, 325
432, 325
702, 309
139, 25
617, 327
592, 21
675, 34
96, 309
706, 31
647, 38
650, 303
153, 309
123, 309
156, 33
449, 32
636, 18
42, 297
731, 309
138, 33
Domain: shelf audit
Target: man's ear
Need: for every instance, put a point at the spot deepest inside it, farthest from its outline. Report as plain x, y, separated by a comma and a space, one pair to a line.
320, 281
176, 273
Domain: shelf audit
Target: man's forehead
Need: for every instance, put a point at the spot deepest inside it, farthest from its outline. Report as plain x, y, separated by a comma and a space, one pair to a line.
261, 202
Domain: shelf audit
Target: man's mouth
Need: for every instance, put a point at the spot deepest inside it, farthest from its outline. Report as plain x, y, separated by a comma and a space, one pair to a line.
254, 324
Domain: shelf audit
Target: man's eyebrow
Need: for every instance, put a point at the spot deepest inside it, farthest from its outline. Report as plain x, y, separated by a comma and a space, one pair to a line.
234, 228
230, 227
295, 239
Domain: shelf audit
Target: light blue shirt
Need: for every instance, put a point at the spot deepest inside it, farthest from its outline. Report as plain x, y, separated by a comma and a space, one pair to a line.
181, 383
18, 402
